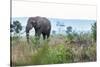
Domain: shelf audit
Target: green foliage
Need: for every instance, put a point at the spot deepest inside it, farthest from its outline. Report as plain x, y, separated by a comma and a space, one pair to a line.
53, 55
91, 52
93, 28
16, 27
66, 54
58, 53
33, 40
79, 38
70, 37
39, 56
68, 29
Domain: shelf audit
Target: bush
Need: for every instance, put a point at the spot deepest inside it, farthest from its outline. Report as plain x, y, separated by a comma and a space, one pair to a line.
93, 28
53, 55
91, 52
85, 54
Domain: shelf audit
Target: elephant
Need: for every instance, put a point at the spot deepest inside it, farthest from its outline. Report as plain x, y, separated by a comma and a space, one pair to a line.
41, 25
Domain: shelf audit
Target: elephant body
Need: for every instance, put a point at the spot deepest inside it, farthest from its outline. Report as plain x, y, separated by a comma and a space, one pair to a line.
41, 25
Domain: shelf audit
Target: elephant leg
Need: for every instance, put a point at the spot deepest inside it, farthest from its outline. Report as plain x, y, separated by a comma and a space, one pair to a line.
44, 36
48, 36
27, 36
37, 34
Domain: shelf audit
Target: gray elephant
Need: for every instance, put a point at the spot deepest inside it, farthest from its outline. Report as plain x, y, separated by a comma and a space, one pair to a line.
41, 25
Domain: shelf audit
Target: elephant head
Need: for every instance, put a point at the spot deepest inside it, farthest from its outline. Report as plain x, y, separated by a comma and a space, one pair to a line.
30, 24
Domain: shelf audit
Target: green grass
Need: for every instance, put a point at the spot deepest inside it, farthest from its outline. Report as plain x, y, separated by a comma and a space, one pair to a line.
49, 55
53, 51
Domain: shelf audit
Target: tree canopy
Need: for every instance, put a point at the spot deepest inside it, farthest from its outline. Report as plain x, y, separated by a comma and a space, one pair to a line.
15, 27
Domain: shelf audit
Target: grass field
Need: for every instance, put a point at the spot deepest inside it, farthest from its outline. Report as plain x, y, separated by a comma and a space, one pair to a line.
57, 49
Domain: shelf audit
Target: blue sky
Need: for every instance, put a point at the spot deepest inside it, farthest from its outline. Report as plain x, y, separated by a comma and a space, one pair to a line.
79, 25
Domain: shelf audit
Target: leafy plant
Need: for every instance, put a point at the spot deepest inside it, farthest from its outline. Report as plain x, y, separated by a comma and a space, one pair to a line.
69, 29
16, 26
49, 55
93, 28
15, 29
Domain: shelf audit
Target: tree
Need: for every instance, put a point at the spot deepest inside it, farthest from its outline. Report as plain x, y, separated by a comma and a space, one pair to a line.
68, 29
93, 28
15, 27
69, 33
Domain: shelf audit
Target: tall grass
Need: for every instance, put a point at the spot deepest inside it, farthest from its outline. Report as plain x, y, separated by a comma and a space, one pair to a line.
52, 55
43, 52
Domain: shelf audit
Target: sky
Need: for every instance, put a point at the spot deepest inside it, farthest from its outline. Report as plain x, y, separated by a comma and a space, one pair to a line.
78, 25
53, 10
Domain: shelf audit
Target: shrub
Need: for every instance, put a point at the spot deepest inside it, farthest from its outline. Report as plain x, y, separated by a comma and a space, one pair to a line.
84, 54
91, 52
93, 28
53, 55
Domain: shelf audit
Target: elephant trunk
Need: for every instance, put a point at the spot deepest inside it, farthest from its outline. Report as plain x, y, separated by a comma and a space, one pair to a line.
27, 34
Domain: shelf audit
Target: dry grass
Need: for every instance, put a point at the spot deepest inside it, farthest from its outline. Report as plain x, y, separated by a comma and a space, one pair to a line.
27, 54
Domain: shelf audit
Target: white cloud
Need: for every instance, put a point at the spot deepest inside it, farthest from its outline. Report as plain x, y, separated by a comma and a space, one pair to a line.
68, 11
